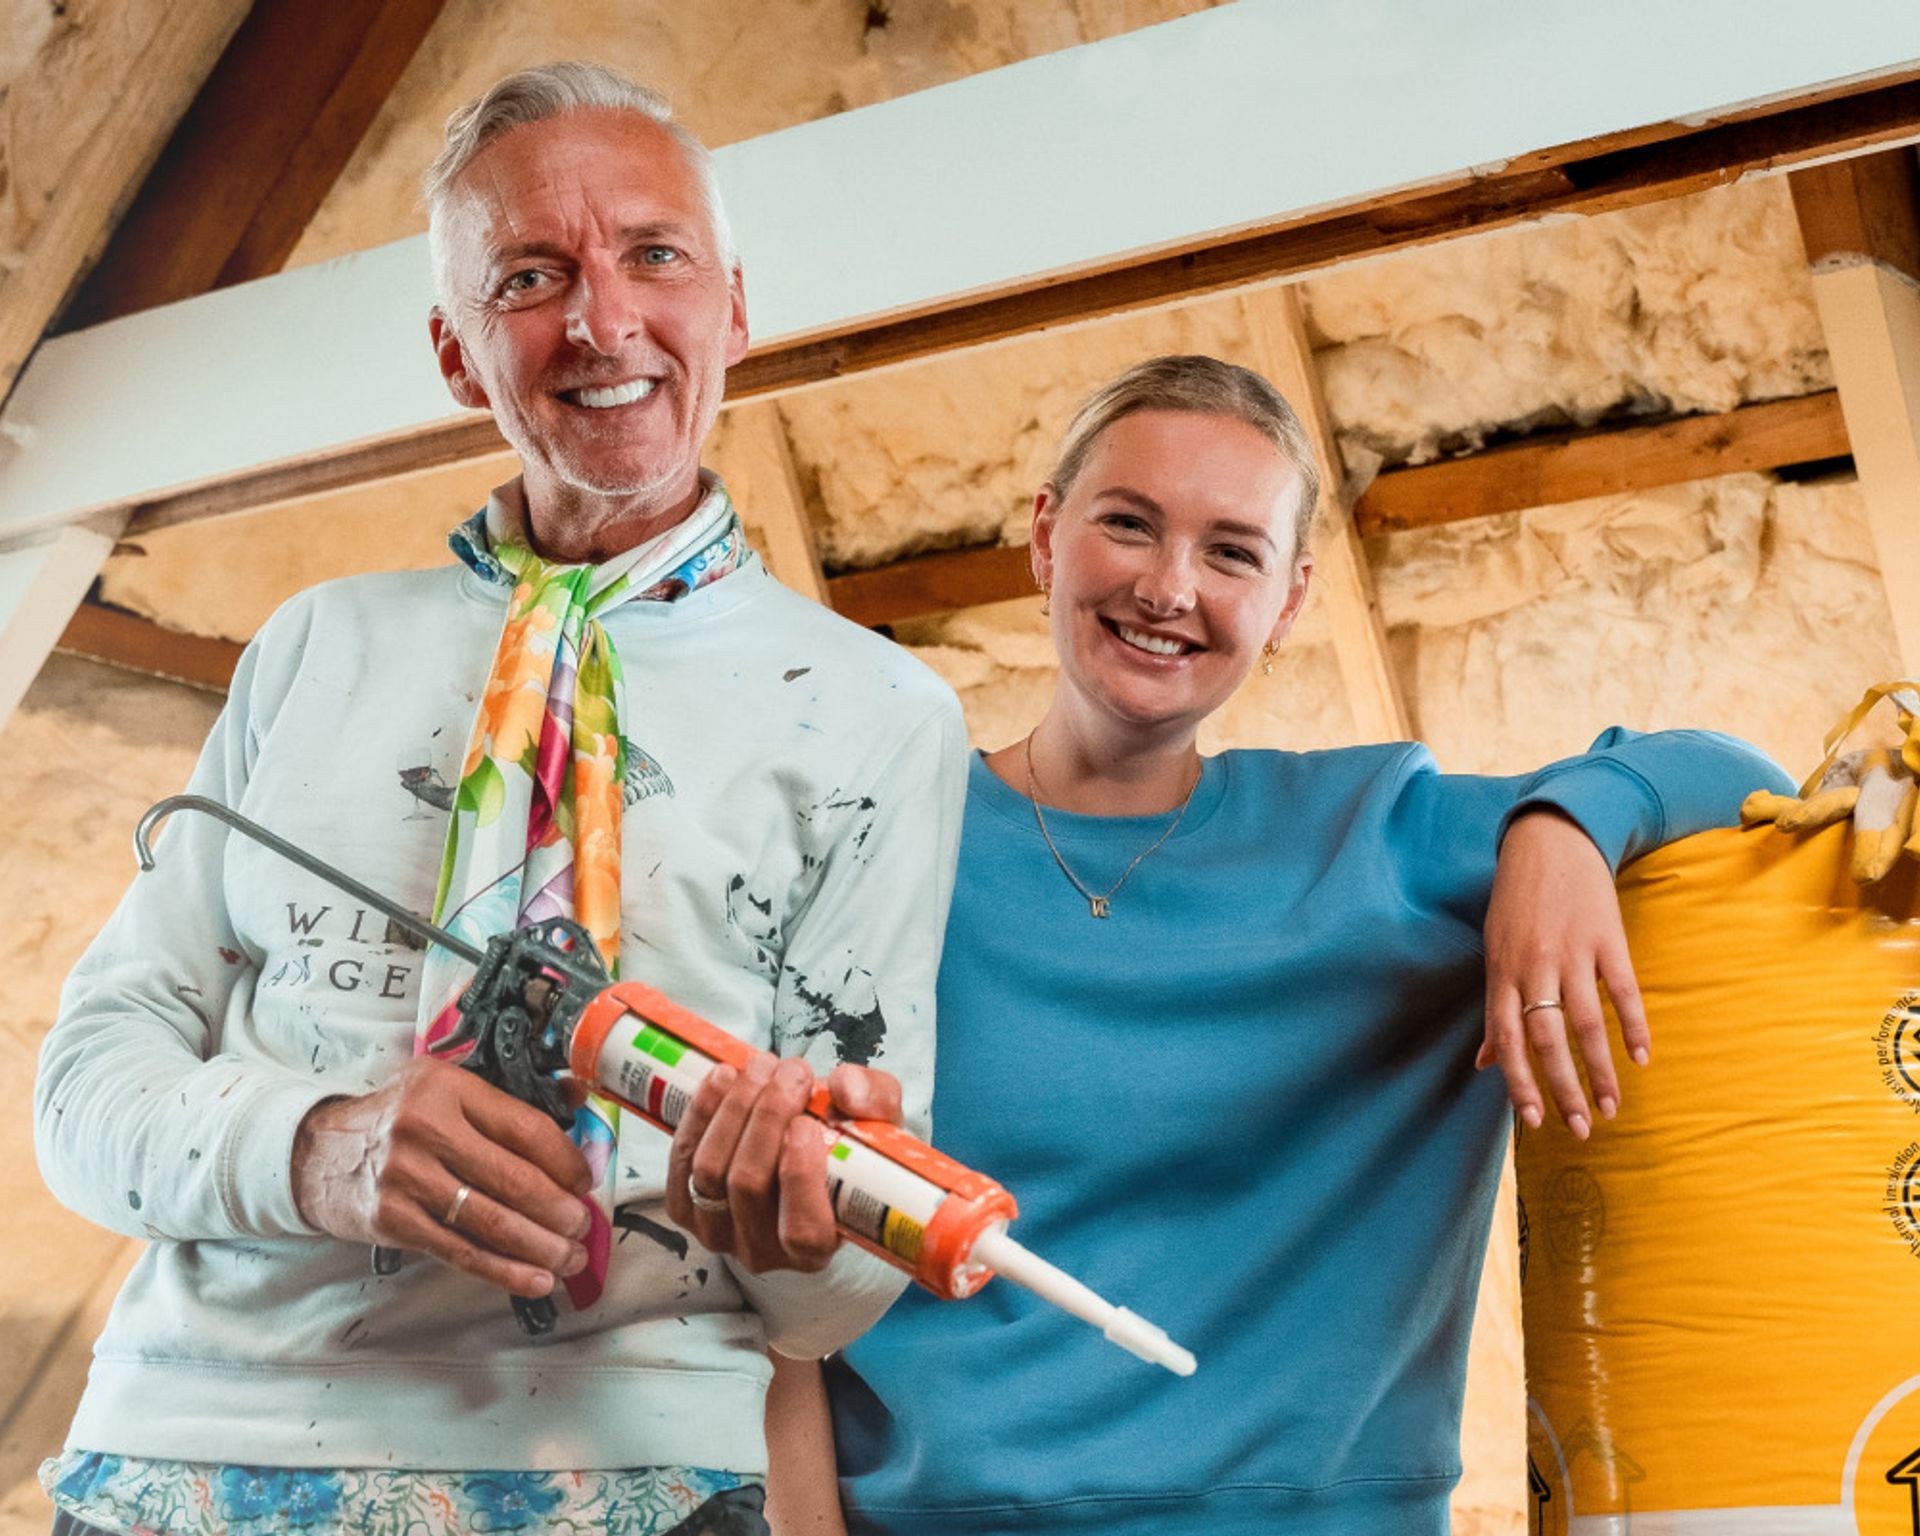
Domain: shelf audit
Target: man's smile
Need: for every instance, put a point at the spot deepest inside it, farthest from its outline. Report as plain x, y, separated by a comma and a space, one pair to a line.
604, 397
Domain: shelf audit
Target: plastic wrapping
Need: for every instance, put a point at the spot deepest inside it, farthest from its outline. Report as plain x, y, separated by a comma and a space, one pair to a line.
1722, 1288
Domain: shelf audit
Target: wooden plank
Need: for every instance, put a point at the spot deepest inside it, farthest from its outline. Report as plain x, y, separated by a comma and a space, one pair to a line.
1872, 117
766, 490
1872, 321
1283, 353
1863, 236
257, 152
929, 584
139, 645
149, 101
1547, 470
1867, 208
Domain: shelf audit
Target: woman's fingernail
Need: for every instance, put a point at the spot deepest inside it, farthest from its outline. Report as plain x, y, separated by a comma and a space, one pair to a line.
760, 1069
576, 1260
1640, 1055
795, 1075
1531, 1114
1608, 1108
1578, 1125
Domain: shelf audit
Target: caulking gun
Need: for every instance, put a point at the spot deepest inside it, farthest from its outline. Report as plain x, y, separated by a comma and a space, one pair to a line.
541, 1003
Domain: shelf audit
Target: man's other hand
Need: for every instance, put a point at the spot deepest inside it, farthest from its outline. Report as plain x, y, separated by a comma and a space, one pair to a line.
747, 1175
389, 1167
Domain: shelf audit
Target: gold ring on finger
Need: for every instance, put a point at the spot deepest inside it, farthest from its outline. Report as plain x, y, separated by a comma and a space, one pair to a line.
456, 1205
1545, 1002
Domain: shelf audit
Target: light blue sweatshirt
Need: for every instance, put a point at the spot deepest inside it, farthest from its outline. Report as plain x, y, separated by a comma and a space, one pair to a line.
1243, 1106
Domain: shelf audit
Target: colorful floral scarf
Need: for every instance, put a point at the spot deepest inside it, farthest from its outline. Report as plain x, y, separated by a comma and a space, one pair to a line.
535, 828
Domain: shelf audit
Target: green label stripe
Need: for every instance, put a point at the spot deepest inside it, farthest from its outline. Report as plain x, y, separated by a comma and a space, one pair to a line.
660, 1047
840, 1150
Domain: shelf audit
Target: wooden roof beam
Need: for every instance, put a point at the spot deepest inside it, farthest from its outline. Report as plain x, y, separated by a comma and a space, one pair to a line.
125, 640
1158, 216
1861, 225
256, 154
1344, 583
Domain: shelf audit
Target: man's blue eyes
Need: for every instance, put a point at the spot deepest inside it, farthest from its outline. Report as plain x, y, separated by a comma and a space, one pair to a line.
526, 281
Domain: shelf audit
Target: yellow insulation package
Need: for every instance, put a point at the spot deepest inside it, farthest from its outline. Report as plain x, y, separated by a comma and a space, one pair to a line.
1722, 1288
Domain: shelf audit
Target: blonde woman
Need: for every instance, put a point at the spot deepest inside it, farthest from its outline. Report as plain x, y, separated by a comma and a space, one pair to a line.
1216, 1022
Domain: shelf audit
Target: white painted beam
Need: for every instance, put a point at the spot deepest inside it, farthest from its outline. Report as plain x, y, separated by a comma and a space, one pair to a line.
41, 582
1220, 121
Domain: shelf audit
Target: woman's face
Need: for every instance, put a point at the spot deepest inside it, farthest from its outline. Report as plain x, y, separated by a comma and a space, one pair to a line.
1171, 562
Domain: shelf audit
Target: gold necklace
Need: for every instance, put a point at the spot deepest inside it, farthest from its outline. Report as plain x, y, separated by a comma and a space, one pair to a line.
1099, 904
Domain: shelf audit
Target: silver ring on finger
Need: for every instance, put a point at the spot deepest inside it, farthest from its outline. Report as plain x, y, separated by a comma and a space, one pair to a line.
1545, 1002
456, 1205
704, 1202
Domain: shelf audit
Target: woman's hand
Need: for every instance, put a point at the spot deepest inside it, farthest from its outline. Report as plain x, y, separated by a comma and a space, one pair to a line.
1553, 932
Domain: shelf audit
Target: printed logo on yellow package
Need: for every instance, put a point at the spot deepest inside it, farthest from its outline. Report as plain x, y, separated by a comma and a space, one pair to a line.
1722, 1285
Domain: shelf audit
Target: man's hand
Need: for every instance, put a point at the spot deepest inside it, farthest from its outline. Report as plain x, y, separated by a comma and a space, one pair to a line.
758, 1163
387, 1167
1553, 927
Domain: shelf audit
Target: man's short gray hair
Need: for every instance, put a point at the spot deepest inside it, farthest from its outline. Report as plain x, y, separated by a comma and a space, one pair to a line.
549, 91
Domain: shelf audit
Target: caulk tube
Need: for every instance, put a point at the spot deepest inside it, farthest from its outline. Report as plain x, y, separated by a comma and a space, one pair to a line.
941, 1222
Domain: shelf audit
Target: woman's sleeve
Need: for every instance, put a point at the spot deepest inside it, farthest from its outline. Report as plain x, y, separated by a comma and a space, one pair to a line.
1629, 792
141, 1122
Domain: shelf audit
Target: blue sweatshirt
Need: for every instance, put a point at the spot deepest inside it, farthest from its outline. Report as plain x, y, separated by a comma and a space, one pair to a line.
1243, 1106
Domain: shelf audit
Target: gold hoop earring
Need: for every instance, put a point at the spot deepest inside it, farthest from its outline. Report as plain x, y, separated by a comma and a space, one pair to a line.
1046, 601
1267, 653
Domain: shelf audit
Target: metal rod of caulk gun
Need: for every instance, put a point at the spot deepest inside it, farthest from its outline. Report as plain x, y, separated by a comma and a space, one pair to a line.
412, 922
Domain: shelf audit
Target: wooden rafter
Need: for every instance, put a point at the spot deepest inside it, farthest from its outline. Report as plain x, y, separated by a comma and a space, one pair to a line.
766, 487
258, 151
1558, 467
1284, 355
1861, 226
139, 645
1677, 160
1605, 461
185, 43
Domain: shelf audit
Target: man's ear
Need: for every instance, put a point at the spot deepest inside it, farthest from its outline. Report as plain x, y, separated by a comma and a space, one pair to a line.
1046, 511
737, 340
1296, 597
452, 358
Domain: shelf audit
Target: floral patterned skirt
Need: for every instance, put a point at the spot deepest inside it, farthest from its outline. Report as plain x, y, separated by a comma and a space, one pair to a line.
126, 1496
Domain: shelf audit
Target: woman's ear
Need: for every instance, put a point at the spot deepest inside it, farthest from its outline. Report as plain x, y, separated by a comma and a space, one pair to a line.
1046, 511
1296, 597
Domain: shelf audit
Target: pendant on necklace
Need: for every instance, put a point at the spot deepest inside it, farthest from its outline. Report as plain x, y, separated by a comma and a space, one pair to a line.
1097, 905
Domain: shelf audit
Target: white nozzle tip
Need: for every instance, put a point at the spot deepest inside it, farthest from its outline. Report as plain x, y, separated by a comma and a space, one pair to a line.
1137, 1336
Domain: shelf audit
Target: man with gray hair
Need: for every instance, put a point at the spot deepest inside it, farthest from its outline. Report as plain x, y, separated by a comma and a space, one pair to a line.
606, 711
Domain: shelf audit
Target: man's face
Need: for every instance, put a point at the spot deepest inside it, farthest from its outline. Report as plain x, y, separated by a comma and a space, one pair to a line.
589, 308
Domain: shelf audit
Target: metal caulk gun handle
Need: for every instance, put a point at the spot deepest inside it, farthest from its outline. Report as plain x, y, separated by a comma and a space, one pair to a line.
411, 921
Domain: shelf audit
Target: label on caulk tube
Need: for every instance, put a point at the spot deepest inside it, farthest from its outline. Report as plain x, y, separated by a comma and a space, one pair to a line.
655, 1073
879, 1200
